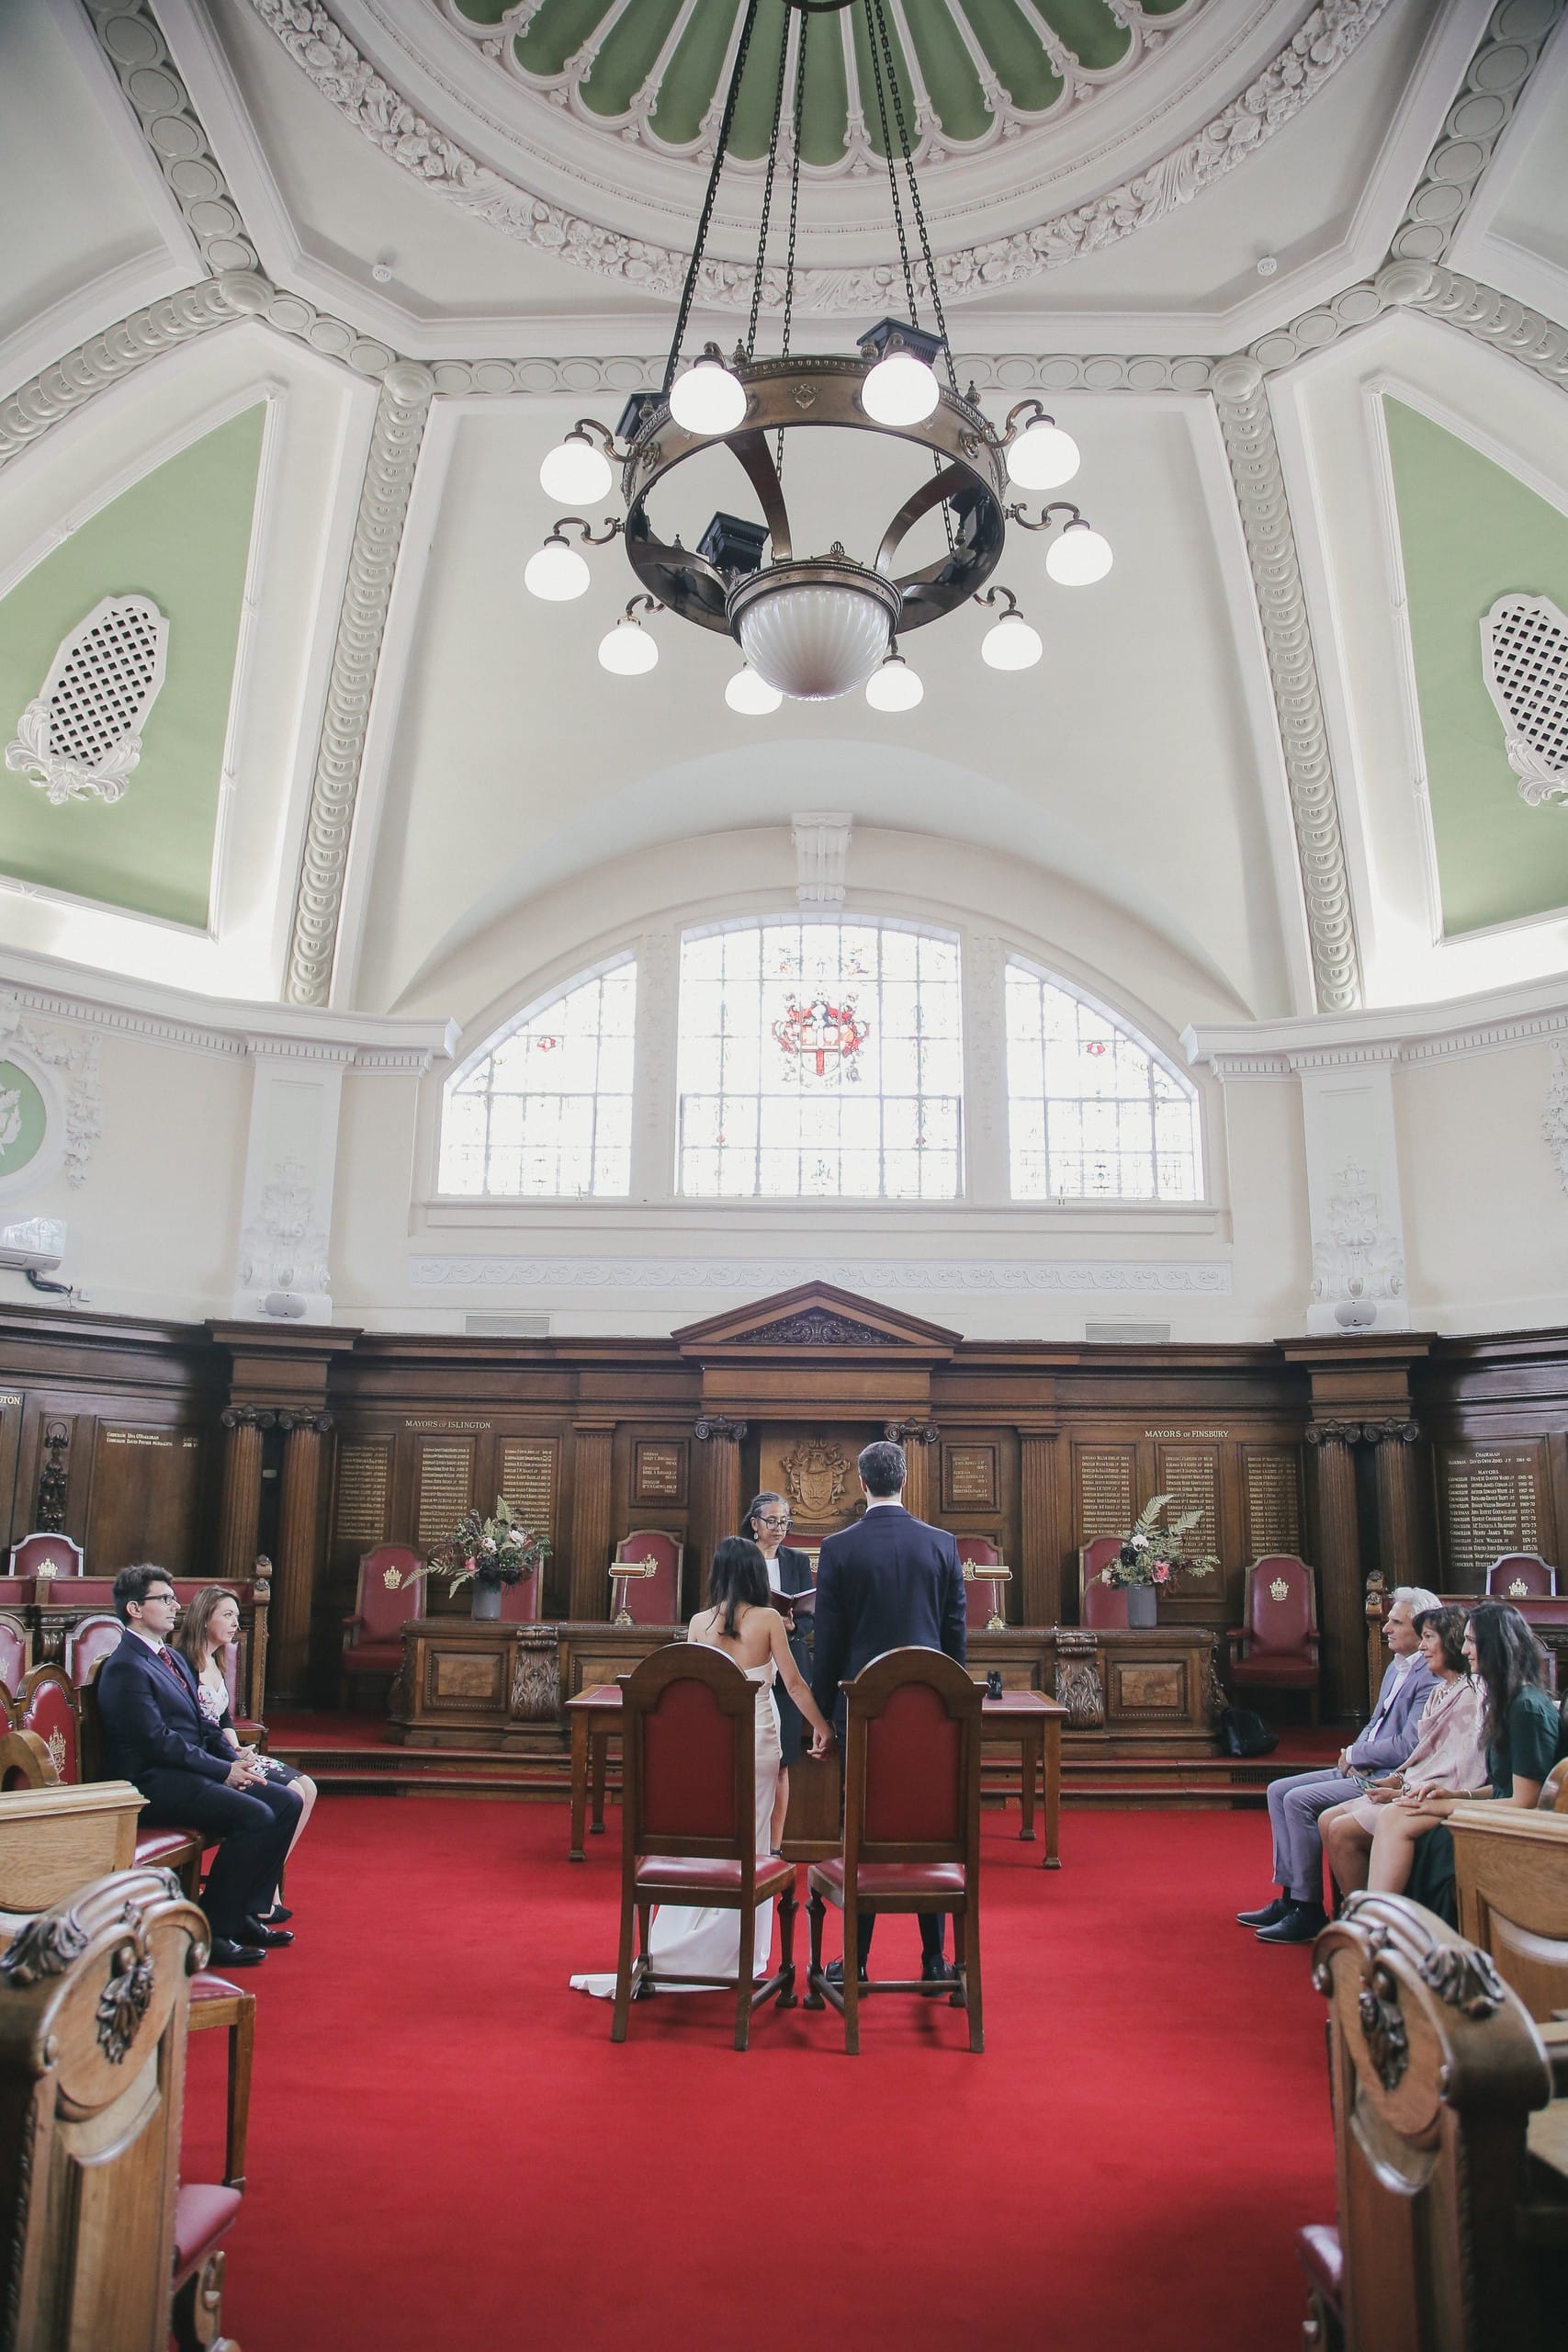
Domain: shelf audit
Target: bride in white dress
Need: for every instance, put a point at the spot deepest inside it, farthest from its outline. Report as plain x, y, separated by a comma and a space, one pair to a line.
707, 1942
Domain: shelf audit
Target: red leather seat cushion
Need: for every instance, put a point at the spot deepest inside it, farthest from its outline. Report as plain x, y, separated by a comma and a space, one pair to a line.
691, 1874
207, 1985
202, 2213
891, 1878
164, 1845
1323, 2258
1276, 1667
374, 1658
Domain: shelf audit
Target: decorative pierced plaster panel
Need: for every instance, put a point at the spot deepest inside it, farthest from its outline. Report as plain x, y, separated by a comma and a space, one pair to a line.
1204, 1277
384, 116
1524, 658
80, 738
130, 38
1242, 402
406, 394
933, 104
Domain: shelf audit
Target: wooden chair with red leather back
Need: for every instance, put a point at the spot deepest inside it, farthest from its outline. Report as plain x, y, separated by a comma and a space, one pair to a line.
1101, 1606
982, 1594
650, 1600
44, 1554
523, 1603
1521, 1575
107, 2249
688, 1821
384, 1603
911, 1822
1277, 1648
1434, 2071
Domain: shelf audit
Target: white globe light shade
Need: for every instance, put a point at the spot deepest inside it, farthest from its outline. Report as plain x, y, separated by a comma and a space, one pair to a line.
815, 642
708, 399
1012, 644
751, 695
895, 686
901, 389
576, 473
1042, 457
1078, 557
557, 574
627, 650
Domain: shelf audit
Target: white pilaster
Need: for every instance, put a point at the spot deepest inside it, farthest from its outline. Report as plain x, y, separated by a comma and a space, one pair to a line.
283, 1268
1352, 1161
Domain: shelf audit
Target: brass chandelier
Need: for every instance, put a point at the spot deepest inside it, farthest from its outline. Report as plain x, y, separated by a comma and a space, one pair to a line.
815, 627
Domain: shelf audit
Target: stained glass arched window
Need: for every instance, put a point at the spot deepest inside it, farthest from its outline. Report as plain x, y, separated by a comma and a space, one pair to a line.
820, 1060
546, 1111
1093, 1112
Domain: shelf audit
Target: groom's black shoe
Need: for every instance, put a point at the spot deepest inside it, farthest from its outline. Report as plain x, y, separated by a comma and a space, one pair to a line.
1302, 1924
834, 1972
936, 1976
1270, 1914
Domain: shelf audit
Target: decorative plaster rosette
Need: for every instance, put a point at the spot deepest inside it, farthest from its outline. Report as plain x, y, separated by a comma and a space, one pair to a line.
382, 114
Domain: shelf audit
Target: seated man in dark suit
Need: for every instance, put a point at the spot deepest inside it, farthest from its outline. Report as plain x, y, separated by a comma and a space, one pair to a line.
887, 1583
155, 1734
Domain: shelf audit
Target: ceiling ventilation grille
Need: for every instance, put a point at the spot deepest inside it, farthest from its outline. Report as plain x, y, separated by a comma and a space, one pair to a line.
1524, 653
80, 736
1135, 1334
507, 1326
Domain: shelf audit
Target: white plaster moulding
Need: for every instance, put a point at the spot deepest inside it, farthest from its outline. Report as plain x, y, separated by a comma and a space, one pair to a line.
1086, 1276
347, 80
231, 1028
1402, 1035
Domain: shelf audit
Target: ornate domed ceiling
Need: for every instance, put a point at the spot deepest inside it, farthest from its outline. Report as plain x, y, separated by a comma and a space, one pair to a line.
967, 73
1044, 129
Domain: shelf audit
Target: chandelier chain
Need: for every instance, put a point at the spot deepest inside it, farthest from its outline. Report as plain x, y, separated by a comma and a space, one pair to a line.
797, 118
876, 26
919, 208
768, 194
727, 125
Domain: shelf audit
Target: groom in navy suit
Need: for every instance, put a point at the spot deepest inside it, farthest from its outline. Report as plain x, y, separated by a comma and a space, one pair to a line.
888, 1583
155, 1734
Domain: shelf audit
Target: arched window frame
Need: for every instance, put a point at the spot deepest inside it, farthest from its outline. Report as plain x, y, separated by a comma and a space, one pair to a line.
1117, 1018
947, 935
620, 961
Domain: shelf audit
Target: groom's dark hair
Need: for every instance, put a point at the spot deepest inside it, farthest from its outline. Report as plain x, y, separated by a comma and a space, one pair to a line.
738, 1580
883, 1468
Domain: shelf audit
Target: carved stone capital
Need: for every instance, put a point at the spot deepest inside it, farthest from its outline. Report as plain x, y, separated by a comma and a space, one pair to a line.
289, 1419
915, 1433
246, 1417
1389, 1432
712, 1425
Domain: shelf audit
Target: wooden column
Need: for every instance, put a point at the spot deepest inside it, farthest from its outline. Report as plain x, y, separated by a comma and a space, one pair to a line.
1341, 1598
919, 1441
1040, 1568
590, 1536
299, 1515
718, 1499
1404, 1538
241, 1511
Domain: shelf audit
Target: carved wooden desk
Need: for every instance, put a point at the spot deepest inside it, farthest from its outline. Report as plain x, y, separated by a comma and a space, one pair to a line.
1021, 1718
1032, 1724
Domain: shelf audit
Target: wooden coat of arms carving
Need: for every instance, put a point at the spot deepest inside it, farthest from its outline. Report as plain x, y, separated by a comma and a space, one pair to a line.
816, 1476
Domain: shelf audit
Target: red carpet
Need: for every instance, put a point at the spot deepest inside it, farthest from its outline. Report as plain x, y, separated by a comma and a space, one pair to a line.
446, 2149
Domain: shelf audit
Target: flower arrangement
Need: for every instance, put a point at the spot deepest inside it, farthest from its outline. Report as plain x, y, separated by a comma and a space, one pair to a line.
1151, 1554
493, 1551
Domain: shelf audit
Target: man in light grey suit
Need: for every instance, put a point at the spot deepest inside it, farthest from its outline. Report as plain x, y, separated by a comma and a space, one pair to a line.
1294, 1805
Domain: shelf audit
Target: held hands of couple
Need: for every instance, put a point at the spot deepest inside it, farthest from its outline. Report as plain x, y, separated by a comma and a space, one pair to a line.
821, 1744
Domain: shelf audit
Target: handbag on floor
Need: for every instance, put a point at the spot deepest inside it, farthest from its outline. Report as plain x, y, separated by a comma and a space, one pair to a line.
1243, 1733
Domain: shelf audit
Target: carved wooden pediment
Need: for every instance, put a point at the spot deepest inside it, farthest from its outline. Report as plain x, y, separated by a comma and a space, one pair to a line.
819, 1319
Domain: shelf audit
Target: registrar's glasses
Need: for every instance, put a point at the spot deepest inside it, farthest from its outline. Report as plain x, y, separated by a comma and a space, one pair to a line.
772, 1519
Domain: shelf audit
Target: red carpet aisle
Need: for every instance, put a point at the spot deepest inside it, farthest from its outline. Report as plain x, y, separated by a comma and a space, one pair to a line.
446, 2150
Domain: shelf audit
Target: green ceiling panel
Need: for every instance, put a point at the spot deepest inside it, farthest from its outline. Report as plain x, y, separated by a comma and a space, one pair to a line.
688, 86
181, 535
1470, 532
1019, 63
1090, 31
630, 52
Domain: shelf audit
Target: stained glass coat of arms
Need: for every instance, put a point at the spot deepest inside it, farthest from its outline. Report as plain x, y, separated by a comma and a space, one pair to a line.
819, 1059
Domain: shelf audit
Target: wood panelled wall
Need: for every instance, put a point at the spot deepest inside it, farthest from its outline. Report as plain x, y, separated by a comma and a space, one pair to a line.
1416, 1456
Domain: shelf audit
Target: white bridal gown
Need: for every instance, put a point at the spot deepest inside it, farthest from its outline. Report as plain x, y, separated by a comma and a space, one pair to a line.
707, 1942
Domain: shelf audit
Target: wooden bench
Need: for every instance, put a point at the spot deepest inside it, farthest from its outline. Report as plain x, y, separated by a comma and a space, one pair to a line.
1511, 1871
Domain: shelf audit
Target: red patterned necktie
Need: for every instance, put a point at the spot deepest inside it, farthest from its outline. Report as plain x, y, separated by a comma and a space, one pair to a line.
168, 1656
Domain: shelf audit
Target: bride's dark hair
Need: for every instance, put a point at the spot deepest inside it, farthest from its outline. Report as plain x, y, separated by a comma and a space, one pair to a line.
738, 1580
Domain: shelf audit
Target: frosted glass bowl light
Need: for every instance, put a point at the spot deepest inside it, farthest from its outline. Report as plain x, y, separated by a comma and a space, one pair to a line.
707, 397
750, 695
1012, 644
627, 651
1078, 557
556, 573
901, 389
1042, 457
814, 629
575, 473
895, 686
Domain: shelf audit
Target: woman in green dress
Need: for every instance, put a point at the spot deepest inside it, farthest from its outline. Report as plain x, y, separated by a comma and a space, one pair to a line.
1525, 1732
